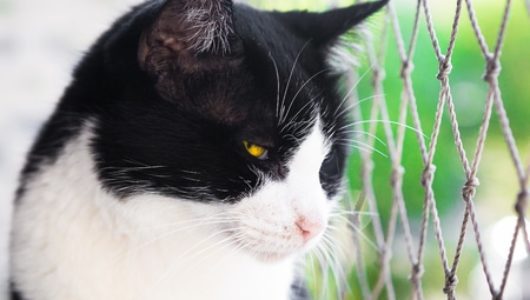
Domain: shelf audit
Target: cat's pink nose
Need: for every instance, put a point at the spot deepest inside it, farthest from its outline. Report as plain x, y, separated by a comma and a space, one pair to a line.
309, 228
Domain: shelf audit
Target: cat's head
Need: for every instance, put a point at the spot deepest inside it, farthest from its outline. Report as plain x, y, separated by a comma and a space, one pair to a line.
244, 128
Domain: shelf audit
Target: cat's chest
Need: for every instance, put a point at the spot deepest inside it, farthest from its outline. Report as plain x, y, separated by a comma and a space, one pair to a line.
68, 246
99, 268
209, 272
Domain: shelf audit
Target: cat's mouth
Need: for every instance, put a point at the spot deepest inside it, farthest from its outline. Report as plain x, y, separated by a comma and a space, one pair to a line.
274, 247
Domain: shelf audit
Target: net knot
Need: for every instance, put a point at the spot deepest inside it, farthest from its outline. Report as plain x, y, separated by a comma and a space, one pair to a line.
428, 173
497, 296
397, 174
417, 270
406, 69
445, 68
450, 283
522, 202
378, 75
385, 254
470, 188
493, 68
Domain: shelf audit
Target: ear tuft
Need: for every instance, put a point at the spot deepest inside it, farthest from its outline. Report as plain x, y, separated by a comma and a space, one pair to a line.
208, 25
191, 35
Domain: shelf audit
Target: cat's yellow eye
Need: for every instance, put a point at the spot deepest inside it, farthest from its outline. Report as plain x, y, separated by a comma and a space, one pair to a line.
256, 151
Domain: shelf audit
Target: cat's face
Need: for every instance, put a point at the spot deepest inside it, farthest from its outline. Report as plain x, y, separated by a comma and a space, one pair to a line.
241, 119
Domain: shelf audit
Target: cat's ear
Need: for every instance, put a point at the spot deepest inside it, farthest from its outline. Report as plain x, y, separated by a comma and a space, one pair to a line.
191, 36
325, 28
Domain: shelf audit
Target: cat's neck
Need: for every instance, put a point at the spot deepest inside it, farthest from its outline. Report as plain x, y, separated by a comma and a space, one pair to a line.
92, 246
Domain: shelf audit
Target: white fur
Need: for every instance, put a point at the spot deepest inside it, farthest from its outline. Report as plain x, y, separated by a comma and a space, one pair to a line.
343, 55
74, 241
209, 23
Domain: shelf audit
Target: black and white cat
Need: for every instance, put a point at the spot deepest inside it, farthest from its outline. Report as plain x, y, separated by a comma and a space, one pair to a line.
197, 154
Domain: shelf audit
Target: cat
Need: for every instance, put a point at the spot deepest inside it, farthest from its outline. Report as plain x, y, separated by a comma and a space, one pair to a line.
197, 154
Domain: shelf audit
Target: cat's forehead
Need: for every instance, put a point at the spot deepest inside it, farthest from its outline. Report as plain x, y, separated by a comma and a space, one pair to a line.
238, 65
265, 37
287, 70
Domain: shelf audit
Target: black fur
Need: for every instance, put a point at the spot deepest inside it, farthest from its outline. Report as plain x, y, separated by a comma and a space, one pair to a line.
199, 154
174, 122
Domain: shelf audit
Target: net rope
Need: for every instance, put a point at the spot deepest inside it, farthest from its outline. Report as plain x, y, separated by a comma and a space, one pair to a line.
384, 237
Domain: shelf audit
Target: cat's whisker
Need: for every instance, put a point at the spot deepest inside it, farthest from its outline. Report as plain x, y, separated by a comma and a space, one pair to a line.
190, 172
384, 122
192, 223
318, 266
362, 148
168, 235
333, 267
141, 164
277, 72
295, 63
354, 213
231, 241
360, 233
338, 271
178, 260
350, 91
238, 245
324, 268
301, 126
309, 104
346, 140
360, 132
223, 216
349, 108
299, 91
351, 224
356, 142
313, 271
118, 170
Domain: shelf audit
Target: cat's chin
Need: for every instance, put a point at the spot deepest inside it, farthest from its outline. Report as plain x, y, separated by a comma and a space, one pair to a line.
274, 257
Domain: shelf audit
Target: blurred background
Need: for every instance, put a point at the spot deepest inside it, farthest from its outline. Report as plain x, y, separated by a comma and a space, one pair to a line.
41, 41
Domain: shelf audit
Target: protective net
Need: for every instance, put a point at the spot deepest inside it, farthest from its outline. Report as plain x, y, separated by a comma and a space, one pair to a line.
415, 241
